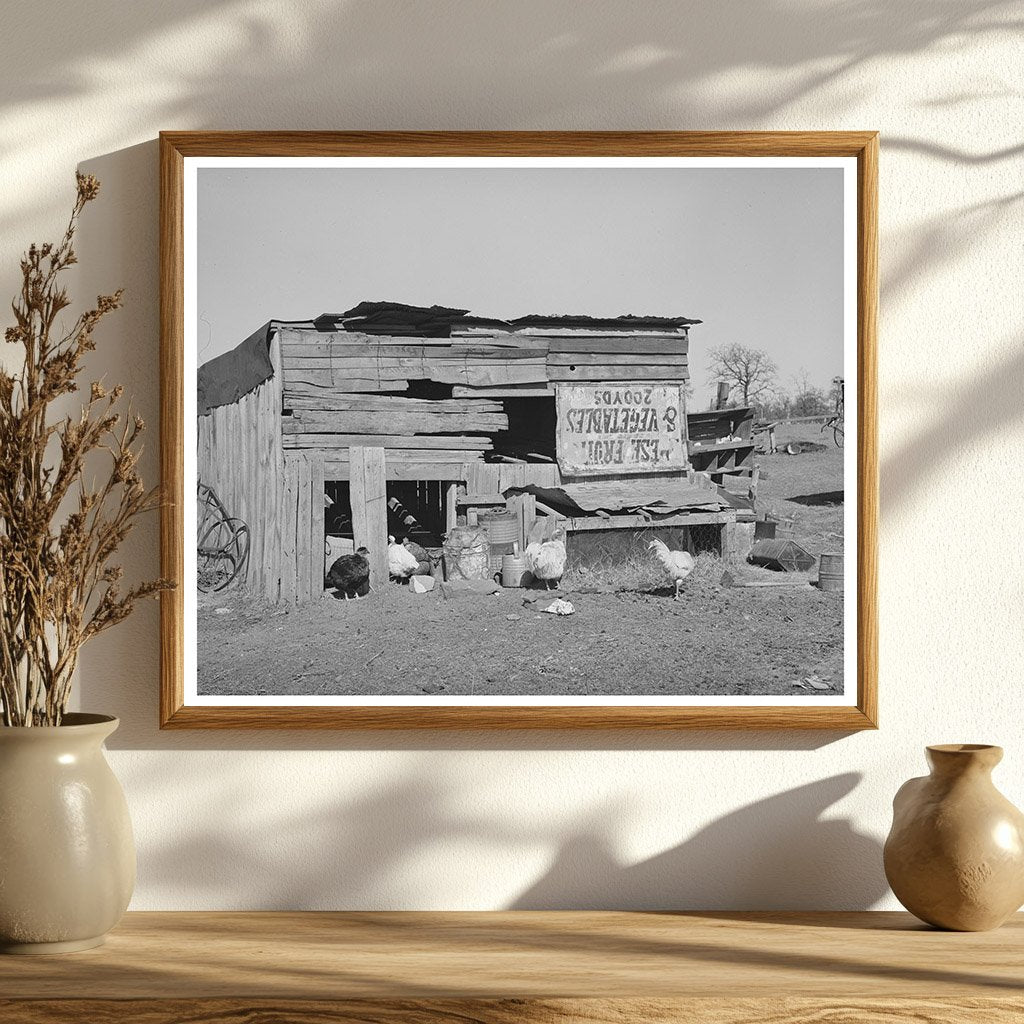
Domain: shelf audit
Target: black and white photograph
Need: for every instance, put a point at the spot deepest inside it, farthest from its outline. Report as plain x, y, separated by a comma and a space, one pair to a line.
566, 431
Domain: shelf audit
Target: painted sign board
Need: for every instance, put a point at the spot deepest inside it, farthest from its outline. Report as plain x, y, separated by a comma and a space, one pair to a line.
608, 429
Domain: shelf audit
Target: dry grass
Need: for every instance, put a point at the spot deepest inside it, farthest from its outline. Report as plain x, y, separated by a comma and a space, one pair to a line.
636, 571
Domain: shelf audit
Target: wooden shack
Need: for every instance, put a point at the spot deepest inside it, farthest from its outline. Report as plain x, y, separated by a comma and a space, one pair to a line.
432, 411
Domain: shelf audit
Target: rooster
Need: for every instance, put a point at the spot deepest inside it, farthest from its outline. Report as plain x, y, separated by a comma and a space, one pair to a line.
401, 562
350, 573
546, 559
677, 564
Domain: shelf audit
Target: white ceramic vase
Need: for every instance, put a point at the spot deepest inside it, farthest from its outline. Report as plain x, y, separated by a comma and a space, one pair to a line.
67, 855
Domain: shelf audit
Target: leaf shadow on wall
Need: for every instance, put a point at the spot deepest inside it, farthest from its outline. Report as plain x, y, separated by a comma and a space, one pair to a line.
535, 64
403, 844
989, 404
777, 853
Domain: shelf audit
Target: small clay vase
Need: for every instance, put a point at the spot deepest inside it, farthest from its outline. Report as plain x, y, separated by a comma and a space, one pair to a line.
955, 854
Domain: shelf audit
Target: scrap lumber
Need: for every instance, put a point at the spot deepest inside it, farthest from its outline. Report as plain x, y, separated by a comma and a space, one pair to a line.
327, 379
396, 469
477, 374
589, 524
504, 391
728, 580
419, 422
420, 441
490, 373
620, 344
436, 455
339, 401
389, 349
291, 336
630, 358
416, 365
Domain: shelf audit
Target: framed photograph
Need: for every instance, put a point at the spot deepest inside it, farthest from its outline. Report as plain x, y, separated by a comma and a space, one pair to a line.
519, 430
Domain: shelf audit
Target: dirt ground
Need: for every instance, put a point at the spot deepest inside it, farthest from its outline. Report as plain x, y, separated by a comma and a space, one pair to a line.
627, 636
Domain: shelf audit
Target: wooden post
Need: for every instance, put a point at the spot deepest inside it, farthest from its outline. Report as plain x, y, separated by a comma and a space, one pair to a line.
315, 569
368, 490
722, 398
525, 508
684, 426
451, 507
737, 540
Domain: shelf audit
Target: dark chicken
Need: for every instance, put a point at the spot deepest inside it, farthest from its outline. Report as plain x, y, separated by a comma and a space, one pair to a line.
350, 574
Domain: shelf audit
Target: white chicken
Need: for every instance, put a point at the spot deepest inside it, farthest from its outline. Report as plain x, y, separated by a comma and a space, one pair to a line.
677, 564
402, 563
546, 559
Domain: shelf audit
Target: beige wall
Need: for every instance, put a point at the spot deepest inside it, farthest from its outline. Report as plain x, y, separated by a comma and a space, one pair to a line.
747, 820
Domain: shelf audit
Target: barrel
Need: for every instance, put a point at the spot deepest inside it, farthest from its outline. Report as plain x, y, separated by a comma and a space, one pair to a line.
830, 573
502, 534
513, 569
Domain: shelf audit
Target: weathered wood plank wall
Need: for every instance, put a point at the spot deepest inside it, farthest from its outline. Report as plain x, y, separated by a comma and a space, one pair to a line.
240, 456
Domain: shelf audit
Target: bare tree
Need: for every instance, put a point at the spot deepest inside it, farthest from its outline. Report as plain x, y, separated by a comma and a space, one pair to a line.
808, 400
749, 370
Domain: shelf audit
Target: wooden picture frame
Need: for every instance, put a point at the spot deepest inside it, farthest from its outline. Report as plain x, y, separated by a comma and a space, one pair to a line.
856, 711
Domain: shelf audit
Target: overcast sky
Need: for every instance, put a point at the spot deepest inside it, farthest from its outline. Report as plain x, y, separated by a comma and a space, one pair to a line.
754, 253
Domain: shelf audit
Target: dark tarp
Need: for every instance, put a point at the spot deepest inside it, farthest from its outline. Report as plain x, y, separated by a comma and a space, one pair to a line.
399, 318
229, 376
651, 497
540, 321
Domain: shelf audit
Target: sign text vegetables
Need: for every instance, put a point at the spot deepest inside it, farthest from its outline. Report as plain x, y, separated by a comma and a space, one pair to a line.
620, 428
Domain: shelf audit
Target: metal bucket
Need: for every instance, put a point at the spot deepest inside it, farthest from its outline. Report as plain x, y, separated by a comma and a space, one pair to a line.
501, 527
502, 534
513, 569
830, 573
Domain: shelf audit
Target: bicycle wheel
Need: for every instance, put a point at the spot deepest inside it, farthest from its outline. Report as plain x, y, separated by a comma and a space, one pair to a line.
837, 434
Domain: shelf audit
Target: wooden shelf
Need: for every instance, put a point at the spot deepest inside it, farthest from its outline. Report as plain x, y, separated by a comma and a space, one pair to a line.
546, 967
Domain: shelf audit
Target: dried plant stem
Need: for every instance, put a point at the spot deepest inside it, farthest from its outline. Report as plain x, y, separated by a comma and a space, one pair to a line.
58, 587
